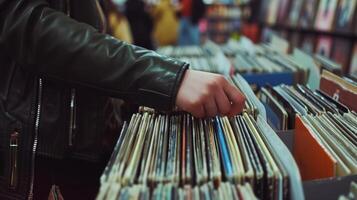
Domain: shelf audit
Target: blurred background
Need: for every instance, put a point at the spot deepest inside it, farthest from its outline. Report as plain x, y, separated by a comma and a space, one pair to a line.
317, 27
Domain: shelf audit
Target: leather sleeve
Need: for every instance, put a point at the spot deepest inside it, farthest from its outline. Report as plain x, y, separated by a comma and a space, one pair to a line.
48, 43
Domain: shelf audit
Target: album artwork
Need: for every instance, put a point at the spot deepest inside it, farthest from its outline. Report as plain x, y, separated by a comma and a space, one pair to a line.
325, 15
283, 11
308, 44
272, 12
308, 13
294, 39
341, 52
345, 15
353, 66
295, 10
324, 45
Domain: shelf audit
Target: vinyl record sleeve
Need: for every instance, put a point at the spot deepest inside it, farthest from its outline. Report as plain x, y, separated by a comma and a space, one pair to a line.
341, 168
345, 15
294, 14
308, 13
249, 171
325, 15
271, 172
353, 66
226, 160
283, 154
324, 46
236, 159
341, 53
278, 116
257, 165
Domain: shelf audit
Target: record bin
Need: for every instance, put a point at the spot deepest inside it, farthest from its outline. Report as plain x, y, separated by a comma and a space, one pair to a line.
262, 79
326, 188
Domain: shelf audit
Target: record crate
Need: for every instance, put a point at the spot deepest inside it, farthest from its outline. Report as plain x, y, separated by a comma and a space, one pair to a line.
322, 188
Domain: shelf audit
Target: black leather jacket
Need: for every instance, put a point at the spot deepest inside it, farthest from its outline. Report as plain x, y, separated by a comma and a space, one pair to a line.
55, 72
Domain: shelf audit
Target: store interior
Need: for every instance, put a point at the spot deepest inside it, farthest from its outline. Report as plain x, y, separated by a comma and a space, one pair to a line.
289, 52
295, 61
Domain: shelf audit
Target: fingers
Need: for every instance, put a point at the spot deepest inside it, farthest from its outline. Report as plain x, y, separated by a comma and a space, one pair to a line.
211, 107
206, 95
236, 98
223, 103
199, 111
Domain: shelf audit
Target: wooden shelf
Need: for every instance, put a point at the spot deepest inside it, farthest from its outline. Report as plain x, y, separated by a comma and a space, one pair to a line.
349, 35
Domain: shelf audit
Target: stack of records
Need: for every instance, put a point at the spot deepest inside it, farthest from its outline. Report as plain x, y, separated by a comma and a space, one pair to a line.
325, 140
207, 58
261, 58
328, 64
171, 191
283, 102
340, 88
196, 158
182, 51
158, 153
252, 105
336, 135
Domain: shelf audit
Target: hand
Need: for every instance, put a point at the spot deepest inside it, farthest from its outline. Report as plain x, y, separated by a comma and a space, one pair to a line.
207, 95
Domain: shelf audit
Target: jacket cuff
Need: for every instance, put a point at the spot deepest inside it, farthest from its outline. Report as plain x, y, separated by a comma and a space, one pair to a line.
177, 84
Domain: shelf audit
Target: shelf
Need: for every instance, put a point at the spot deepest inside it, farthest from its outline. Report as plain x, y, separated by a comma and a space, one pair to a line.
224, 18
312, 31
230, 4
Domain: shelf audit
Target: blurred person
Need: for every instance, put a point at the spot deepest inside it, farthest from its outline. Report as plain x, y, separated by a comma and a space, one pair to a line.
118, 23
140, 21
58, 68
191, 12
165, 23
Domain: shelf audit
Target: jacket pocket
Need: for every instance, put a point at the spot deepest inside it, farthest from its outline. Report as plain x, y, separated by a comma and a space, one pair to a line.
89, 126
10, 134
54, 122
15, 157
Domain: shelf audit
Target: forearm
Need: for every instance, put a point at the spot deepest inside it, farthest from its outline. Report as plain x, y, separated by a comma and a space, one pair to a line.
55, 46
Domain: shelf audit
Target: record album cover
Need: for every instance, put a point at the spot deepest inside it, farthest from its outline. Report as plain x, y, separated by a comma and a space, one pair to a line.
324, 45
325, 15
283, 11
341, 53
263, 12
272, 12
353, 67
308, 43
308, 13
295, 10
345, 15
294, 39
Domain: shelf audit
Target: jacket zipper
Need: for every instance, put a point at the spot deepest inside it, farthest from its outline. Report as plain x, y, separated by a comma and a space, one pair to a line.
35, 140
14, 141
72, 117
72, 106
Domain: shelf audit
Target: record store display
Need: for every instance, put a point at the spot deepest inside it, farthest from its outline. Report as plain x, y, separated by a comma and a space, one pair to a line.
243, 57
325, 129
259, 58
334, 145
283, 102
178, 156
172, 191
336, 95
252, 105
207, 57
341, 88
328, 24
157, 153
